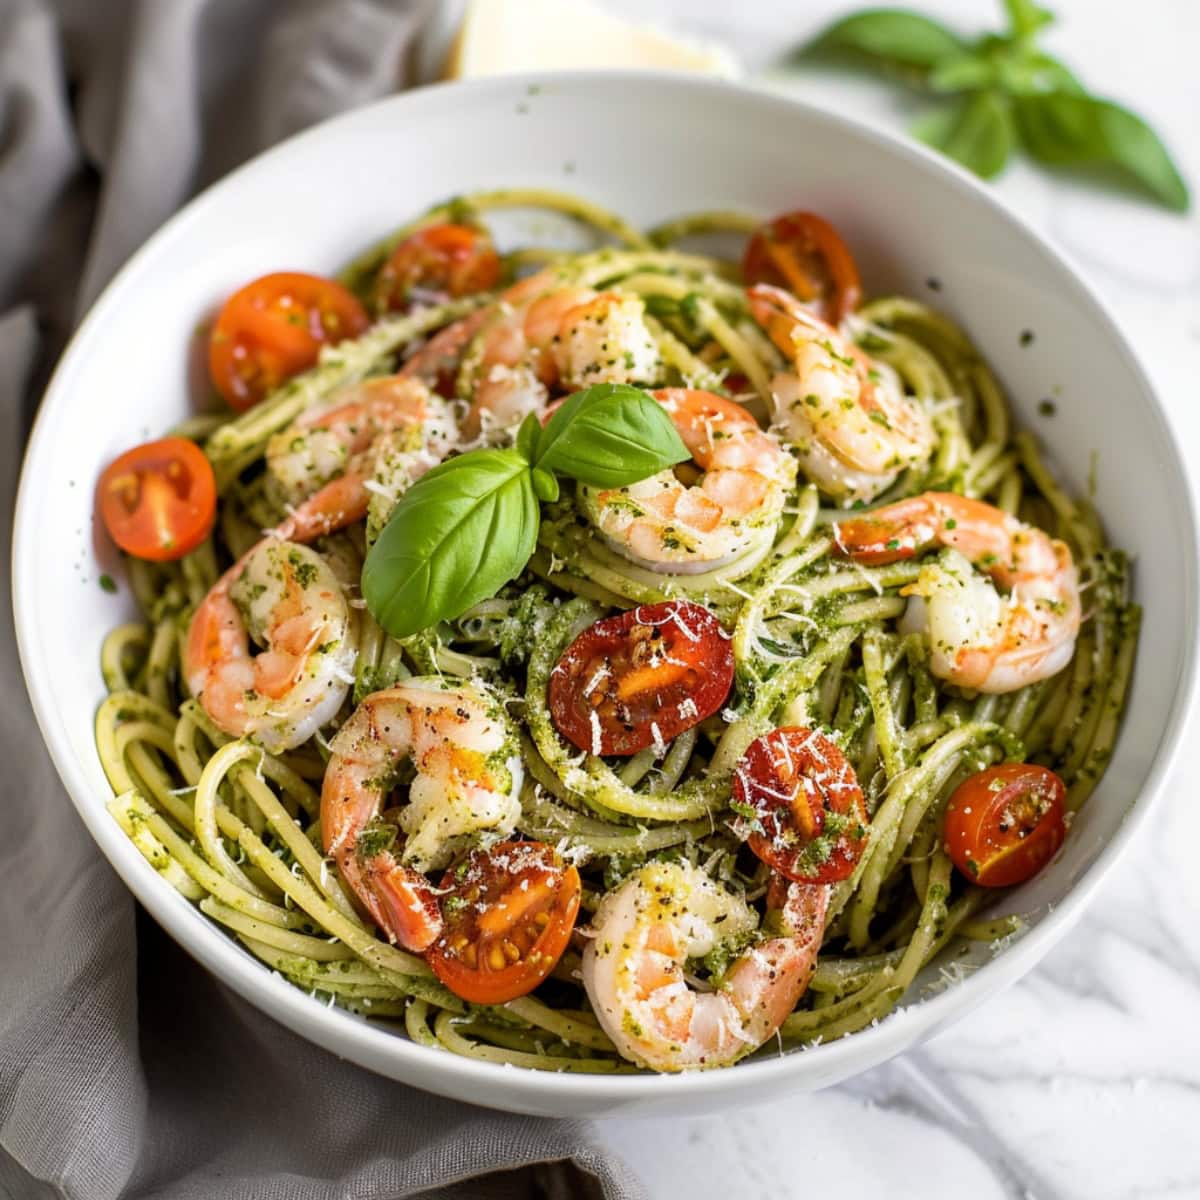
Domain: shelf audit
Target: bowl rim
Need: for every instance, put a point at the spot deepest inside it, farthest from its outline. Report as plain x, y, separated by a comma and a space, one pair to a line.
369, 1045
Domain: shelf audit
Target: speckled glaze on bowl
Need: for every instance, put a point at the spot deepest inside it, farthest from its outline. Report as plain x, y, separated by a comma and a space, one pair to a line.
650, 146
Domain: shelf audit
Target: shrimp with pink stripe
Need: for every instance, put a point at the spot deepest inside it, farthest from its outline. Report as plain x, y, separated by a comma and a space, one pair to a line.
353, 456
286, 598
458, 740
348, 459
853, 426
548, 336
667, 913
726, 510
978, 638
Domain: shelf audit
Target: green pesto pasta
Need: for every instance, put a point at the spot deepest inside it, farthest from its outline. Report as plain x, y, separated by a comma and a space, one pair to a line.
823, 629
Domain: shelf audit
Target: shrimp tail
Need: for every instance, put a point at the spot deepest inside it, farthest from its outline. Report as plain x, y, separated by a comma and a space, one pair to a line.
779, 312
776, 974
436, 363
408, 909
979, 639
899, 531
800, 908
340, 503
454, 794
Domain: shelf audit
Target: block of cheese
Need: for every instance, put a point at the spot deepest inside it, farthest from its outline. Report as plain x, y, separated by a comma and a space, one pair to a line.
503, 37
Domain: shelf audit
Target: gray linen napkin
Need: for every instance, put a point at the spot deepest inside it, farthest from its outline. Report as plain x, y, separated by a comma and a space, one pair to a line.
125, 1070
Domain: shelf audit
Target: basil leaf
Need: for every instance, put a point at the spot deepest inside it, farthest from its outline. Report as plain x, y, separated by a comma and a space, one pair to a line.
962, 73
527, 437
610, 435
977, 132
545, 486
457, 535
1070, 130
1034, 73
892, 36
1010, 90
1025, 18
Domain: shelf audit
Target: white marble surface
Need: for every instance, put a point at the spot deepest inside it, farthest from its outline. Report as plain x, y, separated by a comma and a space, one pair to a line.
1083, 1080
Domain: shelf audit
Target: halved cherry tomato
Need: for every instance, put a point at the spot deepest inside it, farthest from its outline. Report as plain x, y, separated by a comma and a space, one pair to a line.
454, 260
273, 328
641, 678
805, 254
1004, 824
799, 800
508, 911
159, 500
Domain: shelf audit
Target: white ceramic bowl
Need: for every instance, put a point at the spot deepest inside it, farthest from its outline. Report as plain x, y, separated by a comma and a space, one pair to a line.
651, 147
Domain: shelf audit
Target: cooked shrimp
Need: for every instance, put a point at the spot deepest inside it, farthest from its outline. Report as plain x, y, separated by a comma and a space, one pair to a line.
468, 776
605, 339
667, 913
978, 638
358, 452
853, 425
286, 597
436, 363
666, 525
549, 335
516, 370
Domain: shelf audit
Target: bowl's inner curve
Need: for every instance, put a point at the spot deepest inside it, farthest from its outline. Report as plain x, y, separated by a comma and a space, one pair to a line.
649, 148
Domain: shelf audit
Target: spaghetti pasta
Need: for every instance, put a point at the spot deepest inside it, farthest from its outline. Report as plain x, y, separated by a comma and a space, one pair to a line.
818, 638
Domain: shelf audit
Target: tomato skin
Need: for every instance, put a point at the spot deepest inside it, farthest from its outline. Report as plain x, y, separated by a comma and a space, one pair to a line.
158, 501
803, 253
667, 665
797, 786
509, 912
274, 328
450, 259
1004, 824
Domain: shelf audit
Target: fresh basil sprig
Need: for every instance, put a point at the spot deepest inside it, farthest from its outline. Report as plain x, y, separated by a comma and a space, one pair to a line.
609, 436
454, 538
999, 90
470, 525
